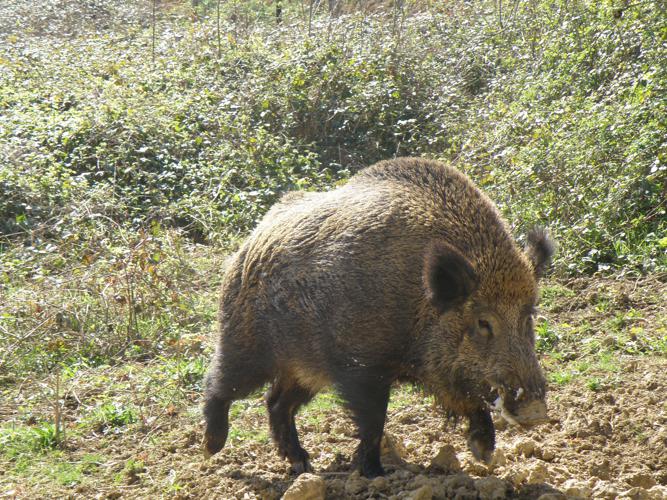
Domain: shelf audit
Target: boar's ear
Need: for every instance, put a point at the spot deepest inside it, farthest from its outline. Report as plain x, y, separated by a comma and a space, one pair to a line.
539, 248
448, 276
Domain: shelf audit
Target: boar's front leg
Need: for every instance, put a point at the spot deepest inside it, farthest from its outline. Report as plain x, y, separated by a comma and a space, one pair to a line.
283, 401
230, 377
367, 398
481, 435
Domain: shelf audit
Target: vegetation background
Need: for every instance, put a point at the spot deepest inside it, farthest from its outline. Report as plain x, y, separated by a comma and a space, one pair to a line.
141, 140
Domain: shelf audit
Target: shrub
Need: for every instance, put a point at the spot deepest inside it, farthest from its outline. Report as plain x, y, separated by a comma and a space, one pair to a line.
118, 163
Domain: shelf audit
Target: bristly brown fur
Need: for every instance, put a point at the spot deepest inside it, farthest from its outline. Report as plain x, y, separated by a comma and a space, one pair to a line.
387, 278
448, 276
540, 249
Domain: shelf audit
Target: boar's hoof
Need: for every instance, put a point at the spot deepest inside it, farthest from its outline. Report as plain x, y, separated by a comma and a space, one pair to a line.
482, 436
299, 461
371, 471
213, 443
480, 447
301, 467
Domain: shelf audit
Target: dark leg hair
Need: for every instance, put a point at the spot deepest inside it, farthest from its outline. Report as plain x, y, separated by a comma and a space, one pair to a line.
367, 398
216, 413
481, 435
283, 401
228, 379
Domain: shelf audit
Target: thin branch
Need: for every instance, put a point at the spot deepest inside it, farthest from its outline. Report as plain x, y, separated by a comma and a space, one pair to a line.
153, 31
23, 339
218, 27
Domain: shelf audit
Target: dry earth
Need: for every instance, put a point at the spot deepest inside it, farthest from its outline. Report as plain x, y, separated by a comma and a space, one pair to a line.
607, 439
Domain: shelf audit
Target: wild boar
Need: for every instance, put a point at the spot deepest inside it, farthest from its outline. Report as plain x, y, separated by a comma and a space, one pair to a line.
406, 273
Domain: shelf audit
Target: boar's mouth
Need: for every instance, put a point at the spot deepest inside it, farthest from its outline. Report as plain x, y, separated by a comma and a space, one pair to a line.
517, 407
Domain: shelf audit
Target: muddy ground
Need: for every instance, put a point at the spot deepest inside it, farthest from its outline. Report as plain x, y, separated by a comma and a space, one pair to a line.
604, 356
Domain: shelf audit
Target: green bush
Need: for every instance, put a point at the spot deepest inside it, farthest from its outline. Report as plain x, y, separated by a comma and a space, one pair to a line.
117, 163
18, 442
113, 415
559, 113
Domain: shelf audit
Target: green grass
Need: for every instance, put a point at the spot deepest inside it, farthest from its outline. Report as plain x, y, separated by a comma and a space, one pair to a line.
562, 377
546, 337
188, 373
131, 471
550, 294
323, 403
17, 442
111, 416
33, 454
594, 370
238, 436
69, 474
406, 394
594, 384
253, 404
608, 362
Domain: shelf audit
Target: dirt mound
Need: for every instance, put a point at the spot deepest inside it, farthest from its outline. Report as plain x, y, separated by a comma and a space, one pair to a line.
606, 444
607, 437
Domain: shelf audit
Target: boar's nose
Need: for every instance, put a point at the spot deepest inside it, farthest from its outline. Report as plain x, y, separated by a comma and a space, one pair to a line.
521, 388
532, 413
518, 408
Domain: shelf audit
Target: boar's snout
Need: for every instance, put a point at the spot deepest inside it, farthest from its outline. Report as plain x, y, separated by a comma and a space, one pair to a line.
532, 413
521, 388
521, 408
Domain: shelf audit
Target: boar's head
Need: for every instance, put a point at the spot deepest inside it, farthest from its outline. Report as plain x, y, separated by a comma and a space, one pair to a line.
482, 351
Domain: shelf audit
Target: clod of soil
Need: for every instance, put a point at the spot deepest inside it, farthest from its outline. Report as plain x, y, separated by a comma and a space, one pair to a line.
492, 488
446, 459
306, 487
423, 493
355, 483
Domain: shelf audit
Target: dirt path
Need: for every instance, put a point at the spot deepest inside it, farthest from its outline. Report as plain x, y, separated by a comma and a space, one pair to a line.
608, 438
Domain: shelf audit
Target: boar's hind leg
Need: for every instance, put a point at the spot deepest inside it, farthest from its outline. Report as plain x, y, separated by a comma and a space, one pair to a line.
367, 398
283, 401
481, 435
226, 381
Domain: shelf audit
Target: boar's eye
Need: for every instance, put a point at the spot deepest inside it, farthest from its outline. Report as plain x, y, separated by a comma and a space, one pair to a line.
484, 327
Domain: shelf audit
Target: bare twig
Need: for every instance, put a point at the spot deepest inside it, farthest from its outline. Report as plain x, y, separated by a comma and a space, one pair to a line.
314, 5
310, 17
218, 26
153, 31
500, 13
8, 333
57, 413
56, 406
23, 339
